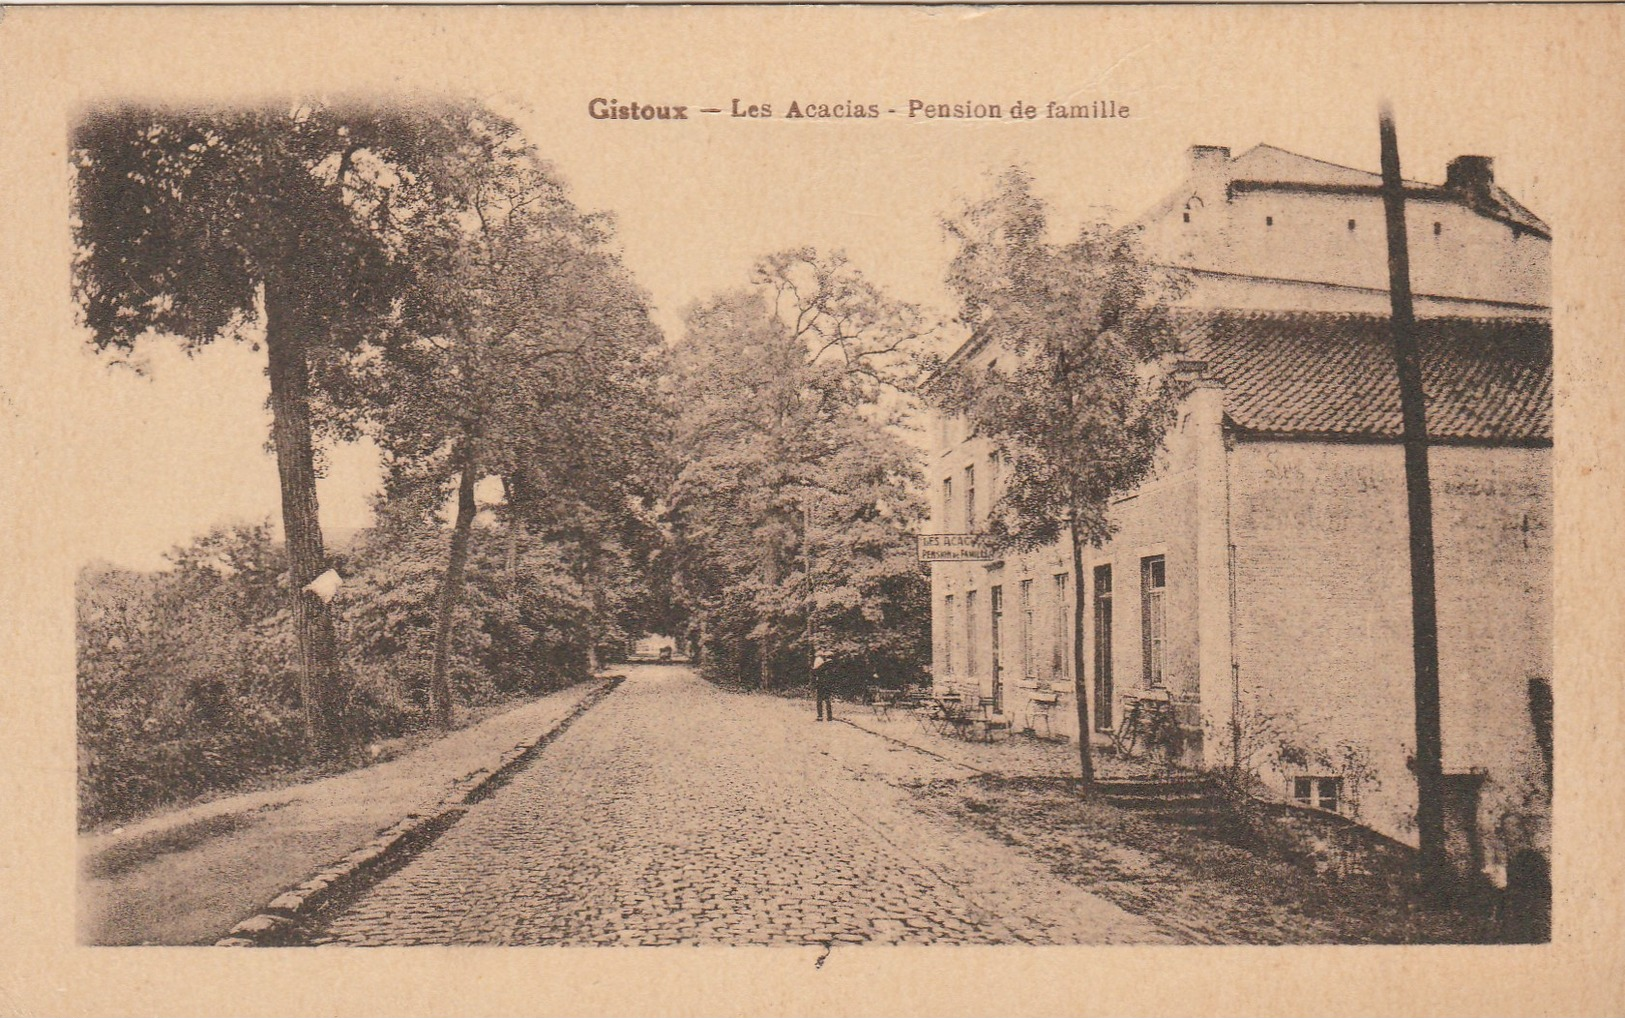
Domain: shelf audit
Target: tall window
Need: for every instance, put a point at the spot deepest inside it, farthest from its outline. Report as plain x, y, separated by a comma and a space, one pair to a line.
970, 632
1154, 619
1061, 658
995, 610
1103, 648
1029, 667
970, 499
949, 635
947, 502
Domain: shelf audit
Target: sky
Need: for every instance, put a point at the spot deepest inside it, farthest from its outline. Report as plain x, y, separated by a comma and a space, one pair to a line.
180, 446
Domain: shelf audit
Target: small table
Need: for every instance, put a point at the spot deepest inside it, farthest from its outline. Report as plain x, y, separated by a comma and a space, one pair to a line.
946, 714
881, 701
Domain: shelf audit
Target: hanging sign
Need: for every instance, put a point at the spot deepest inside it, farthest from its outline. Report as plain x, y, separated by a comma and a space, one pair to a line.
956, 548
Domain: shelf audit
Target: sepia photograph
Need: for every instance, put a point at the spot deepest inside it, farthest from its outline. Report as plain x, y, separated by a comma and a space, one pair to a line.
832, 488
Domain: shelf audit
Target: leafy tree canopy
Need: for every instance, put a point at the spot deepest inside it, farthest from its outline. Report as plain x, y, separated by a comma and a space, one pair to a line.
183, 214
792, 512
1078, 393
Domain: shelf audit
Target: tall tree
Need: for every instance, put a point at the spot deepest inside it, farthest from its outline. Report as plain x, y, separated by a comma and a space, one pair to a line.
522, 354
1081, 406
289, 219
790, 516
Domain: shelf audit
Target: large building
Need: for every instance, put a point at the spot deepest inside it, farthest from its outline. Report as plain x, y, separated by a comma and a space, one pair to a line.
1270, 230
1261, 579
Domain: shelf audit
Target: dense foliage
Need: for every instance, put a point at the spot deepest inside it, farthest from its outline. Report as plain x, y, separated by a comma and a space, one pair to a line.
288, 224
419, 275
524, 351
793, 514
188, 678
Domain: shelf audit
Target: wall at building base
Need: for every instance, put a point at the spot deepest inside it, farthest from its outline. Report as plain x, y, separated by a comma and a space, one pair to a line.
1323, 627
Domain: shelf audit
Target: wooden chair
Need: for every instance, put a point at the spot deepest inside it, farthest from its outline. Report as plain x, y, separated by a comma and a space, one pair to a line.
1041, 705
989, 719
950, 715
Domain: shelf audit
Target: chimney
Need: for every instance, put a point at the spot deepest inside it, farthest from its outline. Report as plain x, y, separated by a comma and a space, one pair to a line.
1207, 159
1473, 176
1210, 177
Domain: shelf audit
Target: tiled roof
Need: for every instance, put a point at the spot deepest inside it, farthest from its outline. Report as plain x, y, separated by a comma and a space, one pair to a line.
1333, 375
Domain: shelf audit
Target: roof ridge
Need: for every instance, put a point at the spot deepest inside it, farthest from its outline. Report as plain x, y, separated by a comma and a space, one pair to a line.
1300, 155
1511, 208
1262, 314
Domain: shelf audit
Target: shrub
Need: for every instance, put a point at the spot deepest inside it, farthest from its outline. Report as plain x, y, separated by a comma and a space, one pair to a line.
188, 679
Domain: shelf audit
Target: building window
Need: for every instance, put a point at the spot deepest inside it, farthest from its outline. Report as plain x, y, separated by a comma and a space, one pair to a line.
1187, 217
949, 635
1269, 220
1320, 793
970, 632
995, 611
1029, 667
1154, 620
947, 501
1061, 658
1103, 648
1351, 224
970, 498
1438, 228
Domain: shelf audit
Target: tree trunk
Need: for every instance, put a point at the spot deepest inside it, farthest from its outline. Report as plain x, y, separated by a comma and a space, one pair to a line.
586, 573
1080, 686
451, 590
510, 559
285, 343
770, 573
511, 490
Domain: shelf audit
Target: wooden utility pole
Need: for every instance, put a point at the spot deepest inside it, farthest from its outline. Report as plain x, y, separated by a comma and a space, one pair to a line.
1419, 501
806, 567
1080, 685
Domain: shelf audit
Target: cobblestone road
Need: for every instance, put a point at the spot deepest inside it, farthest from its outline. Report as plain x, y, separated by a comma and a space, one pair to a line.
676, 813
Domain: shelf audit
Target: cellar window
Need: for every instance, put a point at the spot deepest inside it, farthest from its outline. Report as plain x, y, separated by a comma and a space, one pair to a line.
1319, 793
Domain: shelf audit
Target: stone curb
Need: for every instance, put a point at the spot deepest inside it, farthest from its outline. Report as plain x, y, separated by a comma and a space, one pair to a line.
282, 921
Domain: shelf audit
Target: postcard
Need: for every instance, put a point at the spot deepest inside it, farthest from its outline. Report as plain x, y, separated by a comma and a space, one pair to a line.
812, 510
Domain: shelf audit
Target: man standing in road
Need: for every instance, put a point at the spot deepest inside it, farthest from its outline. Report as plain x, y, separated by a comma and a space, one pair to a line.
823, 687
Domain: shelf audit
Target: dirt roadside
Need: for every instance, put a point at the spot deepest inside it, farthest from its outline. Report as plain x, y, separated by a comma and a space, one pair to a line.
187, 875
